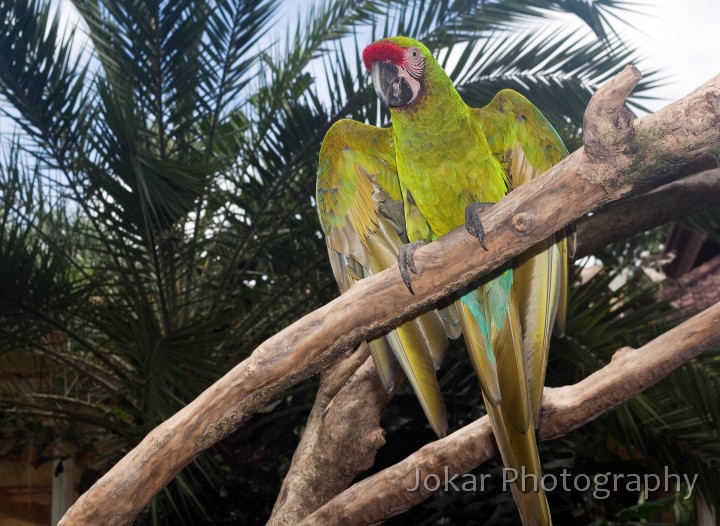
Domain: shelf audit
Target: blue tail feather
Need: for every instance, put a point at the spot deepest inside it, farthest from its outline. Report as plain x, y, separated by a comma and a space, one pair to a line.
490, 300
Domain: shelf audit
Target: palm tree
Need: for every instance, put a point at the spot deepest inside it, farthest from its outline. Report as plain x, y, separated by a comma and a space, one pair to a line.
157, 213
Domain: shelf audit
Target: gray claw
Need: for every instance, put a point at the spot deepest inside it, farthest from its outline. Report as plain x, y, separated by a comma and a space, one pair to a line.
406, 262
473, 224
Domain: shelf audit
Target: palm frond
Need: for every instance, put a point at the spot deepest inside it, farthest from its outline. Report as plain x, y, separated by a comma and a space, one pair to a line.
43, 80
166, 224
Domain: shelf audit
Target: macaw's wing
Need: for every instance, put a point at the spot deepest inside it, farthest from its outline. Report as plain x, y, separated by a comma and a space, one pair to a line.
535, 294
360, 208
527, 145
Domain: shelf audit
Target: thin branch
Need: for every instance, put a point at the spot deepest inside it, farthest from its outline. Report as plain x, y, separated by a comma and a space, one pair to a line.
564, 409
621, 155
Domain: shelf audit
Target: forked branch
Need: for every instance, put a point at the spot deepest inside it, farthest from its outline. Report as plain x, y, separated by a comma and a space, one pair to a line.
630, 372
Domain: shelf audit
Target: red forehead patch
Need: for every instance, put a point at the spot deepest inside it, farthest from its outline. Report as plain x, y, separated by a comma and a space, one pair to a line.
382, 51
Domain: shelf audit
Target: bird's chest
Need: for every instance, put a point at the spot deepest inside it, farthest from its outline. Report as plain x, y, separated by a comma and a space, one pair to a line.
441, 179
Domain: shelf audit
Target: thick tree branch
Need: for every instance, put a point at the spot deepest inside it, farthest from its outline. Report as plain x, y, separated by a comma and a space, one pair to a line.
634, 155
630, 372
347, 410
623, 219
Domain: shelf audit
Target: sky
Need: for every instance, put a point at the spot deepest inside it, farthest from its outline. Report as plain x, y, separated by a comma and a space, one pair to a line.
681, 39
678, 38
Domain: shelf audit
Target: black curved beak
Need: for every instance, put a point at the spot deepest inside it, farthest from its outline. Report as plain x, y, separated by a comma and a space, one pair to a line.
391, 88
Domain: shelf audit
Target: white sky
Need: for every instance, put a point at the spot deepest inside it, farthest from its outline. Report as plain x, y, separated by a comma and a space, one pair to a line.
681, 39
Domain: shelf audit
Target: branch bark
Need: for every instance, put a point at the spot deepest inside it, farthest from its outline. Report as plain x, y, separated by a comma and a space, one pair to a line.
347, 410
623, 219
621, 155
630, 372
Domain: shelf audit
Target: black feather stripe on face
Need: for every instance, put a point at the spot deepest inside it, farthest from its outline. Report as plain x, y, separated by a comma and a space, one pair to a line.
415, 69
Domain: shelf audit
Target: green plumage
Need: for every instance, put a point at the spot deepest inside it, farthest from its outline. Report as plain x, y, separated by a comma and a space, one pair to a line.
380, 188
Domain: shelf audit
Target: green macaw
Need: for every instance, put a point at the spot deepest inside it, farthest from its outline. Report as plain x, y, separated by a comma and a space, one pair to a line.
383, 191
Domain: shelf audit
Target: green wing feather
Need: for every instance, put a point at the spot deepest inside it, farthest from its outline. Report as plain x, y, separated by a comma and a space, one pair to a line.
361, 213
526, 145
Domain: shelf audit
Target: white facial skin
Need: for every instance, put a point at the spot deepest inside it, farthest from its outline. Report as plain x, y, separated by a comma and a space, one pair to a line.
412, 82
414, 65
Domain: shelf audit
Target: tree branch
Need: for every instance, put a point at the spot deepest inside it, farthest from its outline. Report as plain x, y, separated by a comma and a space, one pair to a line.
634, 155
623, 219
347, 410
630, 372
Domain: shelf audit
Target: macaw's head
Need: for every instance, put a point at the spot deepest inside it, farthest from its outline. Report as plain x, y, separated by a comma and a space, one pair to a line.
399, 67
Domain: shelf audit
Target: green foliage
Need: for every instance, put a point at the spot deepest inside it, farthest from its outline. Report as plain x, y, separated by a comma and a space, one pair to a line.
157, 221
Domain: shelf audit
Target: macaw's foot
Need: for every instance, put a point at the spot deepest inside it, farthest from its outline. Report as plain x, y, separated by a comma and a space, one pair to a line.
406, 262
473, 223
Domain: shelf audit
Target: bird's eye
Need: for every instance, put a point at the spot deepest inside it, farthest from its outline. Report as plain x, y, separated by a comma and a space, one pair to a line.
414, 53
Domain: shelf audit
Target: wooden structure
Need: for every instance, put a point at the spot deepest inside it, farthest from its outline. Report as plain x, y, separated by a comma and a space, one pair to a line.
38, 479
